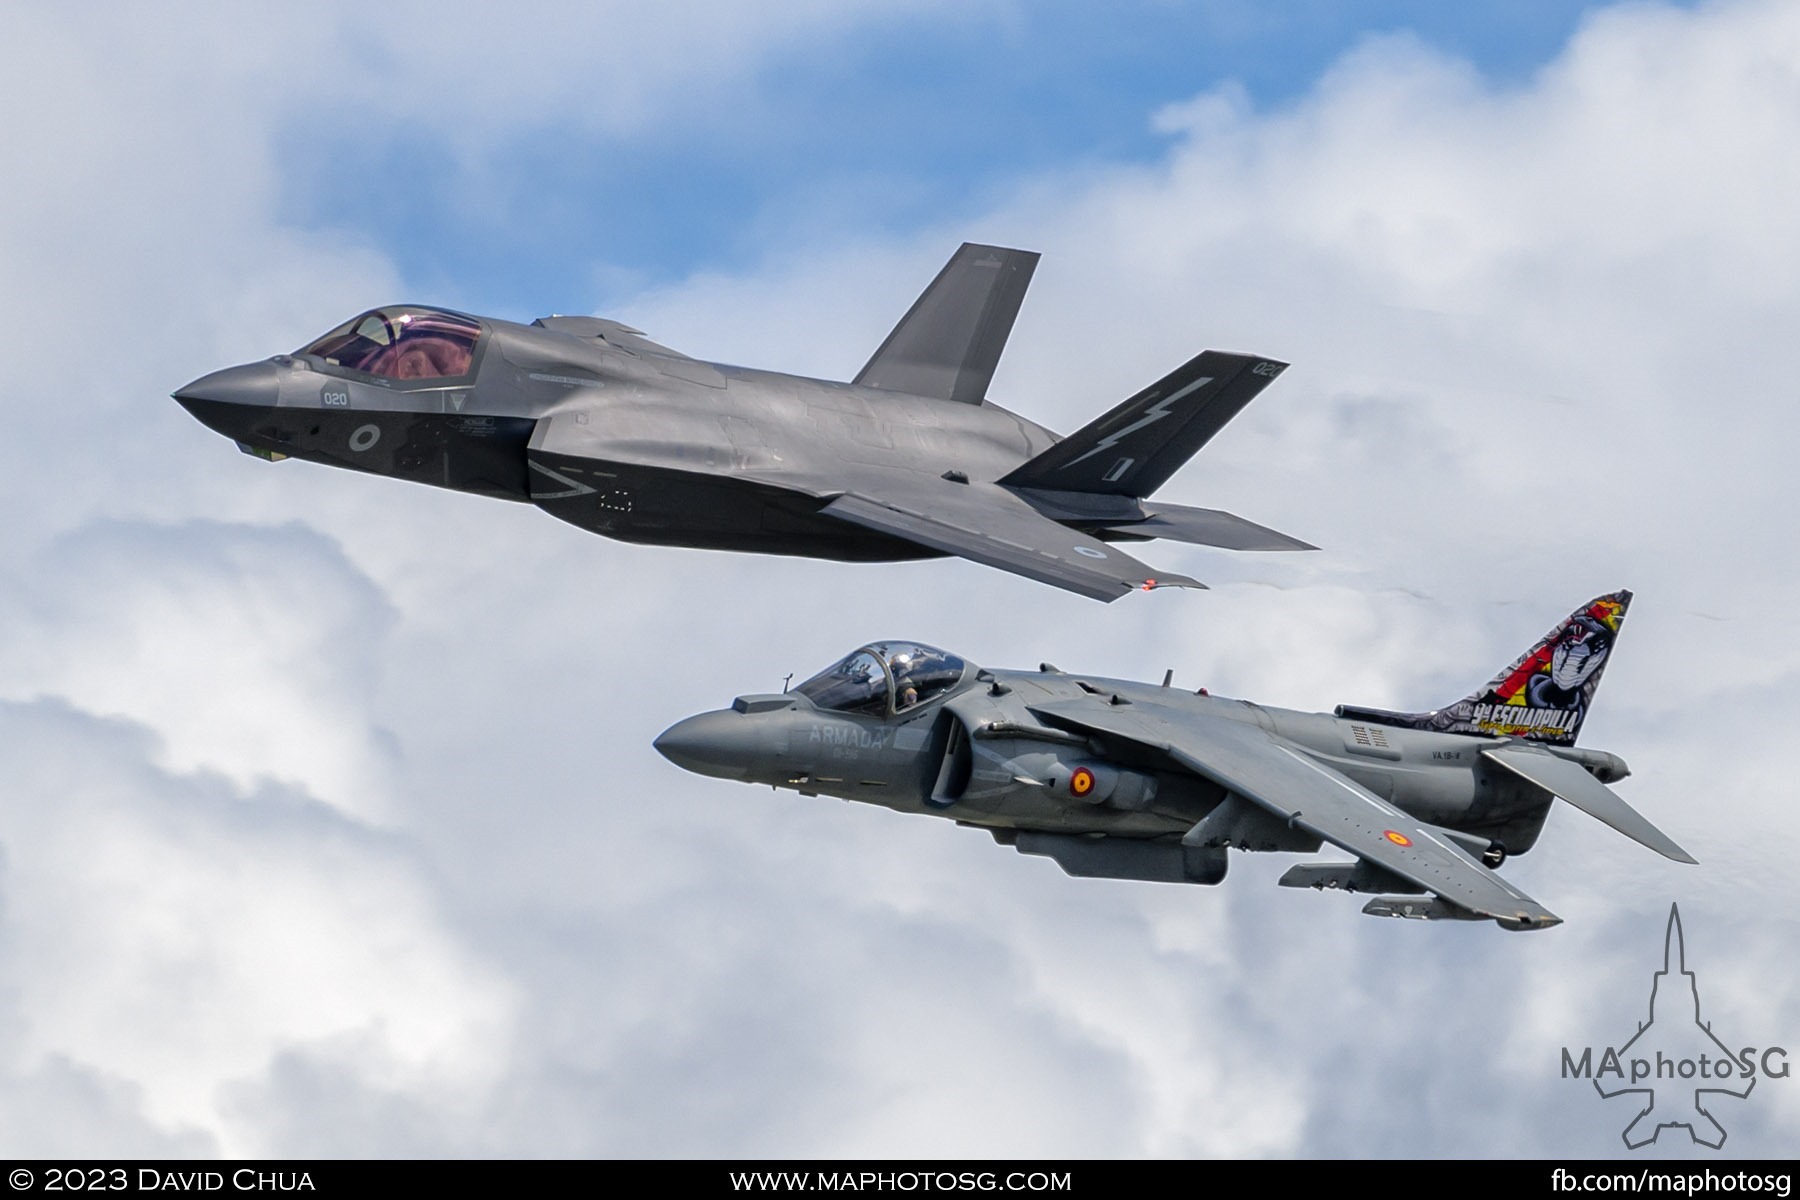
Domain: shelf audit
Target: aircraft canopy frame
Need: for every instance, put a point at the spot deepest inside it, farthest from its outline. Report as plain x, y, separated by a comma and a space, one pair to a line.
882, 679
404, 344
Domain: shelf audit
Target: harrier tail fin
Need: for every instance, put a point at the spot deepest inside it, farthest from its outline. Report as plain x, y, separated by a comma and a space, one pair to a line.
1542, 697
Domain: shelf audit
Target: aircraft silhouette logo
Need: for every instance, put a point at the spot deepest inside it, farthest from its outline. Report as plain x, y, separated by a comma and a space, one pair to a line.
1683, 1060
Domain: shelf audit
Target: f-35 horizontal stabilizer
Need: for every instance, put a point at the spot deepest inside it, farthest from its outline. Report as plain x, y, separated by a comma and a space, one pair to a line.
1208, 527
1132, 450
948, 344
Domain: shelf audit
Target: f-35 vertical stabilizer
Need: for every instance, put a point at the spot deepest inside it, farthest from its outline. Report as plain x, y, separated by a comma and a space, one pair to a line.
949, 342
1132, 450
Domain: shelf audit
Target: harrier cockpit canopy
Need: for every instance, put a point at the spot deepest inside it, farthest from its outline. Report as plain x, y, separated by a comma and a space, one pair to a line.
402, 343
883, 678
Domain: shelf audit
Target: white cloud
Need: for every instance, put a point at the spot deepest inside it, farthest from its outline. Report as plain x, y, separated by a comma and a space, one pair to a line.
251, 652
170, 936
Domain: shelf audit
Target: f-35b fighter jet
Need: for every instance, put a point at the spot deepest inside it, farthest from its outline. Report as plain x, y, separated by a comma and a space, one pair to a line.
590, 421
1132, 781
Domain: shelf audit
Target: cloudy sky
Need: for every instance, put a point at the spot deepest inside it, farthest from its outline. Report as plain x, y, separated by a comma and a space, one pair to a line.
329, 823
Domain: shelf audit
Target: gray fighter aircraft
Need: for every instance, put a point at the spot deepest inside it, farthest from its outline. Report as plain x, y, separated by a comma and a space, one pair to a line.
1132, 781
590, 421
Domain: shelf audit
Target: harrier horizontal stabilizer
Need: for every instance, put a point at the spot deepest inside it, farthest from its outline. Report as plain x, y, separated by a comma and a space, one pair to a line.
1570, 782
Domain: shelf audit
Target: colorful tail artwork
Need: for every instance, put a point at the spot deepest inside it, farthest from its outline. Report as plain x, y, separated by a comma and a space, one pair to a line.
1544, 696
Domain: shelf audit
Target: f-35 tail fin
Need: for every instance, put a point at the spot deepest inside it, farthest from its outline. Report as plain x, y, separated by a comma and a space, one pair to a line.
1132, 450
949, 342
1542, 697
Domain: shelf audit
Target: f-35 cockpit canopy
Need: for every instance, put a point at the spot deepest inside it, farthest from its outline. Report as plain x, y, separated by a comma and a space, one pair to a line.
884, 678
403, 343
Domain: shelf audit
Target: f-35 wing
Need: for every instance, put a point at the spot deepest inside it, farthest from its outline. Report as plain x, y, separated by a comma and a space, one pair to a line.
1305, 794
991, 525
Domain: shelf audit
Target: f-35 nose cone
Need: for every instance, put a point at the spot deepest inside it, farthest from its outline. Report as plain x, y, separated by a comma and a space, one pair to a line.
255, 384
227, 401
724, 744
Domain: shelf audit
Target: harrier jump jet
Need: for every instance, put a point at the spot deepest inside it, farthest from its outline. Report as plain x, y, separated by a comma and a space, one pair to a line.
593, 423
1132, 781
